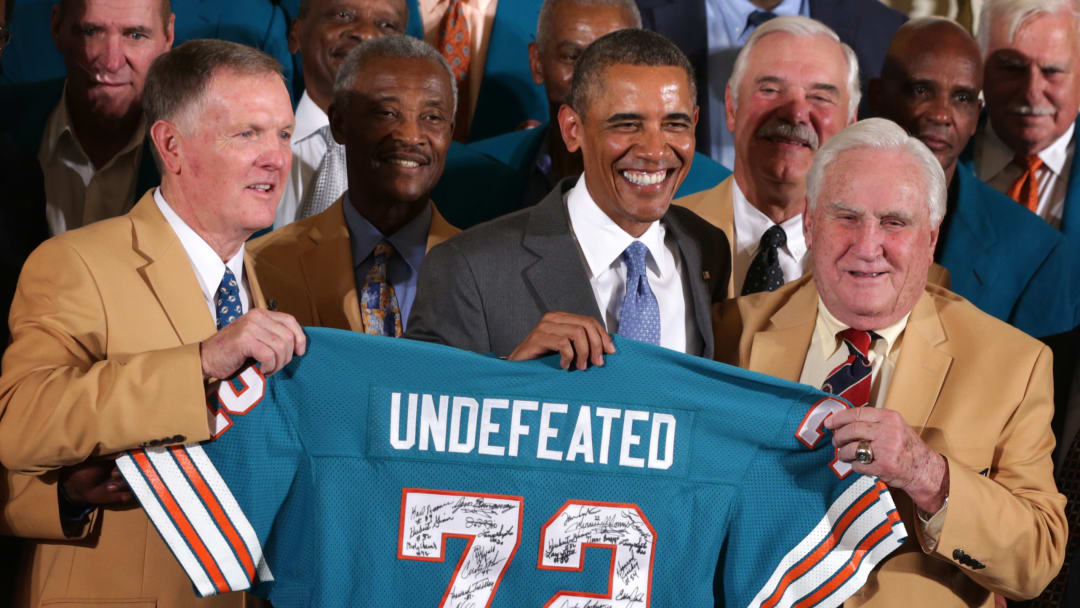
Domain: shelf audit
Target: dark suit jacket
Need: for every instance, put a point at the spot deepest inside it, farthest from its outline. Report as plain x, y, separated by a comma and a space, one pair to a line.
506, 163
24, 110
485, 289
1006, 260
865, 25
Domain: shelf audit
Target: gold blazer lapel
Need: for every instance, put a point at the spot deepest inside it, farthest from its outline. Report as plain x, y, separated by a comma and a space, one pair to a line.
328, 271
922, 366
781, 349
168, 272
440, 228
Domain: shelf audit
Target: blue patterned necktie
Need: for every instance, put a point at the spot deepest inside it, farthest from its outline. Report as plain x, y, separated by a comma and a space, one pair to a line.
378, 303
227, 300
852, 378
639, 315
765, 273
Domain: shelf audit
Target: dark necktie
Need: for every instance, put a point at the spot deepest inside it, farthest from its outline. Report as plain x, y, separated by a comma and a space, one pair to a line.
227, 300
756, 18
765, 273
851, 379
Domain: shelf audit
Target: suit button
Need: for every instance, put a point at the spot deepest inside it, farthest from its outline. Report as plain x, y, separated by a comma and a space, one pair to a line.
959, 555
178, 438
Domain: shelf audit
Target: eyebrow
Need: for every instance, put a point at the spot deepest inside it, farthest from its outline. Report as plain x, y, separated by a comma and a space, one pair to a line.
624, 116
678, 116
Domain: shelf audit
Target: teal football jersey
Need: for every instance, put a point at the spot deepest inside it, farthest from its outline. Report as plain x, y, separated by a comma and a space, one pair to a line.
385, 472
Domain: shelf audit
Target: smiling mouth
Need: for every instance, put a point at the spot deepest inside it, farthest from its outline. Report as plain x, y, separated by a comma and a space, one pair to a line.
397, 161
264, 187
865, 275
644, 178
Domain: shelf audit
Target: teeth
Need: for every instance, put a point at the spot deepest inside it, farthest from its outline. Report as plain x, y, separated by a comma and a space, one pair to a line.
411, 164
644, 178
263, 187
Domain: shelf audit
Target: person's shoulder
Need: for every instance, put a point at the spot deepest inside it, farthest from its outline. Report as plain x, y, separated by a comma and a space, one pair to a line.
494, 237
286, 238
970, 328
998, 208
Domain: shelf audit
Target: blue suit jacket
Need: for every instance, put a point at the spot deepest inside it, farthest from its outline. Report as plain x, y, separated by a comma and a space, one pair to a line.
1006, 260
867, 26
32, 57
486, 179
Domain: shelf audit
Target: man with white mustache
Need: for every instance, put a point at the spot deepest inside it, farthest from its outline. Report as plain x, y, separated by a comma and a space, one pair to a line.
603, 253
1027, 147
794, 85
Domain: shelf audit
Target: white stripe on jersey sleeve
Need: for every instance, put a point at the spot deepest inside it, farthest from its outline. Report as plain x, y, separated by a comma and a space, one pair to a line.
205, 526
165, 526
233, 510
870, 519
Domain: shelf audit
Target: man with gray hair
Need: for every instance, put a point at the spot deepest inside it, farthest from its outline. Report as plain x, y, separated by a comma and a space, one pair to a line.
355, 265
794, 86
119, 327
1027, 148
920, 364
602, 252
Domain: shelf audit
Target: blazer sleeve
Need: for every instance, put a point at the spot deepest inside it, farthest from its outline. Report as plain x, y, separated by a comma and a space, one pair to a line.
448, 308
30, 508
1012, 520
61, 399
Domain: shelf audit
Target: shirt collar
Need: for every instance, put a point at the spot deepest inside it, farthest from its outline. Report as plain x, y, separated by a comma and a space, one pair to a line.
602, 241
208, 265
829, 328
737, 12
60, 125
309, 118
751, 224
996, 154
410, 242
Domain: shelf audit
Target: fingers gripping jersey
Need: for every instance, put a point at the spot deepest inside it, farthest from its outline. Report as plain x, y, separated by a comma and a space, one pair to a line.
375, 471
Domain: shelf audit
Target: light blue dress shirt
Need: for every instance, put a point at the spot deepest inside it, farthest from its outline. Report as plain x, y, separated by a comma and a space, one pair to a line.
410, 247
728, 32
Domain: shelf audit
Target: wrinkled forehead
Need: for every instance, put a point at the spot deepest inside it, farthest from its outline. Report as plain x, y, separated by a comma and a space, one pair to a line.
150, 14
816, 57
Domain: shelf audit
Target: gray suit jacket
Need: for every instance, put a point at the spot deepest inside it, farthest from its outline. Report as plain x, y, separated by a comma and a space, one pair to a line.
485, 289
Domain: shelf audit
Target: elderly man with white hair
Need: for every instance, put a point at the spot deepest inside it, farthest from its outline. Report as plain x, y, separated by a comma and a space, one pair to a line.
1027, 148
794, 85
955, 405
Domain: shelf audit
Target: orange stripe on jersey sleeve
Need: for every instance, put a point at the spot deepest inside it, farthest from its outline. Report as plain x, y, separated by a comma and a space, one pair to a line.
181, 520
849, 568
216, 510
823, 549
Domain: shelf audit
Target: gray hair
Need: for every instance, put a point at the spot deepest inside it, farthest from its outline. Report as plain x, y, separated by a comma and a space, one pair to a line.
630, 47
1015, 13
880, 134
547, 12
802, 27
178, 79
394, 46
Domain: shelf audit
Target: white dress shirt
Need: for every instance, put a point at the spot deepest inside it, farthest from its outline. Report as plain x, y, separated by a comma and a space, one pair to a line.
750, 225
602, 243
76, 192
993, 164
208, 267
308, 148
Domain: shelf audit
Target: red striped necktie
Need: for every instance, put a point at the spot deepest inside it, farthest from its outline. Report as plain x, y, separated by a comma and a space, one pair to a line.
851, 379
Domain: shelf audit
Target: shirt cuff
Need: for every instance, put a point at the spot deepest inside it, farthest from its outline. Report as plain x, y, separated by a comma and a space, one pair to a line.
932, 524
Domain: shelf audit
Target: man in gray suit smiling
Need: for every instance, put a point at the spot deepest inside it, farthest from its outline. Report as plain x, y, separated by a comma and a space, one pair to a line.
605, 252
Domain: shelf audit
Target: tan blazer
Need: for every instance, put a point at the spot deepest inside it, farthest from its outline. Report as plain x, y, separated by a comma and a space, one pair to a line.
717, 206
306, 268
977, 391
105, 323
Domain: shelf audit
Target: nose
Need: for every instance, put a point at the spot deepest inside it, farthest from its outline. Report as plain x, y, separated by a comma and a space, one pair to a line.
407, 131
1034, 84
107, 53
362, 31
652, 146
795, 109
869, 240
939, 111
277, 155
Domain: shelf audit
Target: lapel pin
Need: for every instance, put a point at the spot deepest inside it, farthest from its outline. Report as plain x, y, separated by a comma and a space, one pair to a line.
272, 304
705, 275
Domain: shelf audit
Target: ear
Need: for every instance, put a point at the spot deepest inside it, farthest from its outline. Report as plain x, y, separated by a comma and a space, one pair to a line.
571, 127
170, 31
294, 36
56, 21
807, 225
337, 122
729, 108
535, 66
169, 143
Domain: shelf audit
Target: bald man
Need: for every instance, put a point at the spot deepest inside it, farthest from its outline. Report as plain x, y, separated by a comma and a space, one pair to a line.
1001, 257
